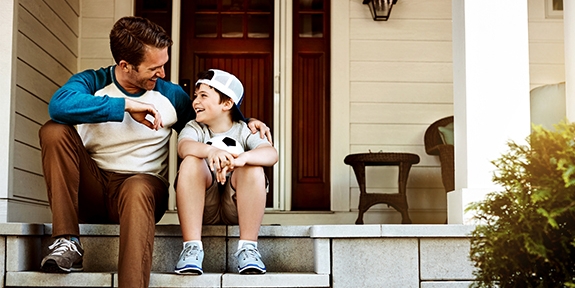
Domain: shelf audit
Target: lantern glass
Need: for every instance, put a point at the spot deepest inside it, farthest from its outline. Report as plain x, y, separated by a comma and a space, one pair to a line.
380, 9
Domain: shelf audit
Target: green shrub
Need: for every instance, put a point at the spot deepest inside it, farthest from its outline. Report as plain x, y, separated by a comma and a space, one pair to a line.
526, 235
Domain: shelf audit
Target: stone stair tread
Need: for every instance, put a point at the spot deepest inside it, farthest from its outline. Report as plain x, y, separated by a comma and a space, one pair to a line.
283, 279
76, 279
106, 279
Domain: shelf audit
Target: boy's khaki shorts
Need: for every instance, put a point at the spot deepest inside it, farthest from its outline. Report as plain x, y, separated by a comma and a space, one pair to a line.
220, 206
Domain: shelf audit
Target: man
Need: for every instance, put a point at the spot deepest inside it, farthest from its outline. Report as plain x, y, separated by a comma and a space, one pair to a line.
113, 167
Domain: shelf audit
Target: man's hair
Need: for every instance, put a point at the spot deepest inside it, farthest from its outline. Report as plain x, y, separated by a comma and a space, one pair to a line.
130, 36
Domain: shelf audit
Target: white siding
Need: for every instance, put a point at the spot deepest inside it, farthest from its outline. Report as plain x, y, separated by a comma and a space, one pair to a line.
401, 81
546, 51
97, 20
47, 52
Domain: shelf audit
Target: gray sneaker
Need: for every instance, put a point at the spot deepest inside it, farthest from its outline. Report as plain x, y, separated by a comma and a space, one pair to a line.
250, 260
190, 261
65, 256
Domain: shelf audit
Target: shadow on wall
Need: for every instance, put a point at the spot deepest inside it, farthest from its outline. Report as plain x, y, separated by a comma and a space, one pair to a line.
548, 105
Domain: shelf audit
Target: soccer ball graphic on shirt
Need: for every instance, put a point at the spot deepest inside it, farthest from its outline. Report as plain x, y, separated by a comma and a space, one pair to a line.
226, 143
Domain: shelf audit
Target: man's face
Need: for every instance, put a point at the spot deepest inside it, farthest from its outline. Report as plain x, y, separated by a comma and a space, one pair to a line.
147, 73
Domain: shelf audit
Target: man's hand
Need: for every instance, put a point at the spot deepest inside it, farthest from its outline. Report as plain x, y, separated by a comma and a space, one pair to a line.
140, 111
256, 125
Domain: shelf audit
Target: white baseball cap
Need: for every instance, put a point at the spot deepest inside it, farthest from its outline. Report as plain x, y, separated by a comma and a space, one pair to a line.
228, 84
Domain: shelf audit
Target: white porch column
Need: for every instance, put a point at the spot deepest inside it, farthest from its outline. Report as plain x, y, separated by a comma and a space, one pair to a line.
491, 94
7, 83
569, 45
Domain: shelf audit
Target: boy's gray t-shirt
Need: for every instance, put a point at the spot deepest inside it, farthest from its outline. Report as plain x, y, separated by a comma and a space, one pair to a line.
239, 131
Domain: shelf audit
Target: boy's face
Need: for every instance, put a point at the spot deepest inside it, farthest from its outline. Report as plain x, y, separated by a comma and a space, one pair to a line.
207, 104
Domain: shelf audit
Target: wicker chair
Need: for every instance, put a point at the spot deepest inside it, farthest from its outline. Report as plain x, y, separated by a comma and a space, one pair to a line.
434, 146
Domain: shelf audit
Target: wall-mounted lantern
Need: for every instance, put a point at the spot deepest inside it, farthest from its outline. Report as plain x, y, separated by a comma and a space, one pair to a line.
380, 9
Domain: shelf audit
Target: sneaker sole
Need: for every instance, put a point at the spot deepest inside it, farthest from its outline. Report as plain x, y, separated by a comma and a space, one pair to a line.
251, 270
51, 267
189, 271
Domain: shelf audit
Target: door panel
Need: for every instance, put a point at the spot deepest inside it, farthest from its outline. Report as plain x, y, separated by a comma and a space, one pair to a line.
310, 99
254, 70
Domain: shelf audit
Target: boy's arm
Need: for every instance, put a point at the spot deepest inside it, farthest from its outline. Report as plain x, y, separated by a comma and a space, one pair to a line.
263, 155
190, 147
217, 158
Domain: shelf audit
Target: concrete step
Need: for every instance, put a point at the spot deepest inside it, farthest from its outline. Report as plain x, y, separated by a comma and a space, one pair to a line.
282, 248
288, 252
338, 256
109, 279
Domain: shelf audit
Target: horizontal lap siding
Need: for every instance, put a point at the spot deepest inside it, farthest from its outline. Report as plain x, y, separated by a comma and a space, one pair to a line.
47, 55
59, 25
98, 17
40, 60
369, 92
384, 134
33, 107
404, 113
31, 28
546, 48
401, 80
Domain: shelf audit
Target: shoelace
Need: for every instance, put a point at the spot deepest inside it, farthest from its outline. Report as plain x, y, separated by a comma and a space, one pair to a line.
191, 251
250, 252
62, 245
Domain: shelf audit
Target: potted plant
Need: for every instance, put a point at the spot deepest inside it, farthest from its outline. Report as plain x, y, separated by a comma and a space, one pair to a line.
526, 232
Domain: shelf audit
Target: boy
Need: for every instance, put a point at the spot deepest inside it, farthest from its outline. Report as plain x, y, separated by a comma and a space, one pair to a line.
217, 186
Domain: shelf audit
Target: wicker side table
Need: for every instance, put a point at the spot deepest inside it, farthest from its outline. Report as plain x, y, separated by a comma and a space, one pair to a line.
397, 201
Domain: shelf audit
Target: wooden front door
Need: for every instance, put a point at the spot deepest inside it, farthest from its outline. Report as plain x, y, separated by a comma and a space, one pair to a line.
310, 134
235, 36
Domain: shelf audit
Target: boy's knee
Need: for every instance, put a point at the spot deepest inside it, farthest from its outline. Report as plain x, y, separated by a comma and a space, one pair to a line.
250, 174
194, 169
191, 163
252, 170
192, 166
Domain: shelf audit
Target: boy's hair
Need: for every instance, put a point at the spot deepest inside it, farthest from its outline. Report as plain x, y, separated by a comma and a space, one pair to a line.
208, 75
130, 36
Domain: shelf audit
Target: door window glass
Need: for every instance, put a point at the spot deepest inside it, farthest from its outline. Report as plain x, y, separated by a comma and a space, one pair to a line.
311, 5
311, 25
206, 26
233, 18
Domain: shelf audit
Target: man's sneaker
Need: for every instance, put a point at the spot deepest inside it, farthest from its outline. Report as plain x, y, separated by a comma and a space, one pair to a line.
65, 256
250, 260
190, 261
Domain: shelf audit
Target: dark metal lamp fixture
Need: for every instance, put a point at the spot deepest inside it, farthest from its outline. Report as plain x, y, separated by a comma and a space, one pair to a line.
380, 9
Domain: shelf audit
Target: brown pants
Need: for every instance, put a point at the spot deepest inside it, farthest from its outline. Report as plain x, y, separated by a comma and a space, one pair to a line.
80, 192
